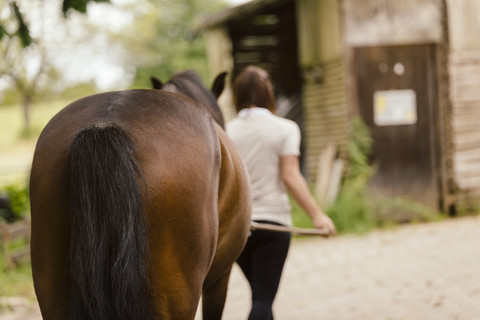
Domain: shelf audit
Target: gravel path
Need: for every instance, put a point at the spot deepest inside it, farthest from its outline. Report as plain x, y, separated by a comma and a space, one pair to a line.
414, 272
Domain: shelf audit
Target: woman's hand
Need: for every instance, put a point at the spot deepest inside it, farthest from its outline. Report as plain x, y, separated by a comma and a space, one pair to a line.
323, 222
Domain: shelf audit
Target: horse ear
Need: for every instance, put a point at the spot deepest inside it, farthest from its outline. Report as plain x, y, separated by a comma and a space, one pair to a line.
156, 83
219, 84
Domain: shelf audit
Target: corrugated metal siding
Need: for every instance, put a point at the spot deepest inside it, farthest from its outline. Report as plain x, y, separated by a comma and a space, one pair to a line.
325, 113
465, 97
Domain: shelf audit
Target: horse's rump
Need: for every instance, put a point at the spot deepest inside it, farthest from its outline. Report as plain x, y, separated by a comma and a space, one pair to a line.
94, 245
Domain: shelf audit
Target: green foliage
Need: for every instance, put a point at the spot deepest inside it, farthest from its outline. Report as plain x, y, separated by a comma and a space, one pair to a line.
22, 32
78, 5
161, 41
352, 211
19, 200
359, 147
299, 217
3, 32
356, 209
388, 211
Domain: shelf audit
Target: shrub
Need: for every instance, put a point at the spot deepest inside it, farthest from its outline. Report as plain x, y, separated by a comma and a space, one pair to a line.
352, 210
356, 209
18, 198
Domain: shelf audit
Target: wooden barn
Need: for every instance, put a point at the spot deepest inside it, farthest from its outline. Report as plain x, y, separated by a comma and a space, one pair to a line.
410, 69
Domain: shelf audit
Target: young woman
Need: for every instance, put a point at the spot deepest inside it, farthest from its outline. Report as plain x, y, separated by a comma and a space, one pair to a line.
269, 146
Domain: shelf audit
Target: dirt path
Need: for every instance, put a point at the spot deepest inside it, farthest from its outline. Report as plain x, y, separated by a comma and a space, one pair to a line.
414, 272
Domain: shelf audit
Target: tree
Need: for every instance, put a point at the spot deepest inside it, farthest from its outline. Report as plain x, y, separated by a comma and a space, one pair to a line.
25, 61
160, 41
22, 30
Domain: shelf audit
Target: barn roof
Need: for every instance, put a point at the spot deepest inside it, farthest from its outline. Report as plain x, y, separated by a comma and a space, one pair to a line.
239, 12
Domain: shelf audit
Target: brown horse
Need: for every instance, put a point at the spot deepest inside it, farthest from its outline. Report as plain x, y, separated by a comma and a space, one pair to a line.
139, 204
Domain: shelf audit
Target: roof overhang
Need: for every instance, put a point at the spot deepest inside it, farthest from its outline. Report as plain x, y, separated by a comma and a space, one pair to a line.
239, 12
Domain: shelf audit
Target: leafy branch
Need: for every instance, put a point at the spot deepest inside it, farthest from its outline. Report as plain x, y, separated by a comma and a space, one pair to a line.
22, 31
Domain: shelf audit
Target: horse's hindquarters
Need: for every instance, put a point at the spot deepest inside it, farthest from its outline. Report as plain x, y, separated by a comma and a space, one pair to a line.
177, 151
181, 201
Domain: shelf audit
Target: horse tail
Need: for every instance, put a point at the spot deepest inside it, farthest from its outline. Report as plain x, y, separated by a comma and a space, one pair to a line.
108, 244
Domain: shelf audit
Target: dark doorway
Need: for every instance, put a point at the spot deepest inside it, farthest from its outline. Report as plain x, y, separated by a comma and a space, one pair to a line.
396, 92
267, 37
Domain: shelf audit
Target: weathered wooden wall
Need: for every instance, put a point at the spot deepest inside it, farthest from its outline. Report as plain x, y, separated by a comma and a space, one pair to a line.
325, 113
387, 22
324, 90
464, 71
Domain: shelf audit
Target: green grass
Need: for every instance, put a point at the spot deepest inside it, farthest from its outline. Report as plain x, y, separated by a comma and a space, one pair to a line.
12, 127
17, 282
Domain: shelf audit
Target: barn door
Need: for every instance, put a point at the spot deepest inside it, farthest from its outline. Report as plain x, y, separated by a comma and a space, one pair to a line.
396, 92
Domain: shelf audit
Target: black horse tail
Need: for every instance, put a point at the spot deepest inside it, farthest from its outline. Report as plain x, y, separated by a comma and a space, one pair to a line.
108, 244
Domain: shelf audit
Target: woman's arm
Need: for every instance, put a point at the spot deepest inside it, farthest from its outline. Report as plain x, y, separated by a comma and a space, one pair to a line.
297, 186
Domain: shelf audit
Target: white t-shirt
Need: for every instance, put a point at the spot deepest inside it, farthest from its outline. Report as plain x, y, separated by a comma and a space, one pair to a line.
261, 139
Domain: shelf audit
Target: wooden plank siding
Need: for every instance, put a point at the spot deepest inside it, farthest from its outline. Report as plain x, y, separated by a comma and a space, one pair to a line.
464, 84
465, 98
325, 114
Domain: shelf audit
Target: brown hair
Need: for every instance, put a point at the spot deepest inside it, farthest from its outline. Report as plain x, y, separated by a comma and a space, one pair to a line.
252, 87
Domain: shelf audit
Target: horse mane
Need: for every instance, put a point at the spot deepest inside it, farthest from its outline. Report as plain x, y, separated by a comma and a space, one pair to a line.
191, 85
